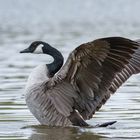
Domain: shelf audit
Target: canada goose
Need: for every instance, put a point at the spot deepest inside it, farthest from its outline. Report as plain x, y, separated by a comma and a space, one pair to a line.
92, 72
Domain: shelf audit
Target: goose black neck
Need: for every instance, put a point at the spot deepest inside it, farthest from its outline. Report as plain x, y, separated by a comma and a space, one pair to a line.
57, 56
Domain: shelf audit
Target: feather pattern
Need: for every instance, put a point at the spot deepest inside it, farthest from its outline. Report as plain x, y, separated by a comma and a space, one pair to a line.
92, 72
50, 106
97, 69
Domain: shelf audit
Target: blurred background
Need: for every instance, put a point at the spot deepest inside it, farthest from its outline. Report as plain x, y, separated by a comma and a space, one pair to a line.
64, 24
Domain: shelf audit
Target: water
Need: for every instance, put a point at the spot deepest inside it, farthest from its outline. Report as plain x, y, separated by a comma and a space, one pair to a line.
65, 24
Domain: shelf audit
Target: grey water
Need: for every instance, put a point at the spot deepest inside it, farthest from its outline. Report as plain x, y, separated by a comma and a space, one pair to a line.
64, 24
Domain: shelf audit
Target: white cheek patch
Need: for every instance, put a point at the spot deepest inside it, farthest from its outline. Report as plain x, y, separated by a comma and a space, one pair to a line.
38, 50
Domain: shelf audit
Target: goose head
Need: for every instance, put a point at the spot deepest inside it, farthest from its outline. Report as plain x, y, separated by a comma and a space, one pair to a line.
40, 47
36, 47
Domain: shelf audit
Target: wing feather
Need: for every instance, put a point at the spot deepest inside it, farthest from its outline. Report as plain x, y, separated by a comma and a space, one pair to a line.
92, 72
51, 106
97, 69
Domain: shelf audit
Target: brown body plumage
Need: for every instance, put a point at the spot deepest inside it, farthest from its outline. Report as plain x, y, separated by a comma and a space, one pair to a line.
91, 74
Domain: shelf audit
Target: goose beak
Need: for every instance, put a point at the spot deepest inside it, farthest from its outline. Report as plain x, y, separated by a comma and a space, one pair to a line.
25, 51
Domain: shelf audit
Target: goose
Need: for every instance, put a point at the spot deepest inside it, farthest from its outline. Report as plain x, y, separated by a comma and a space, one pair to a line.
70, 94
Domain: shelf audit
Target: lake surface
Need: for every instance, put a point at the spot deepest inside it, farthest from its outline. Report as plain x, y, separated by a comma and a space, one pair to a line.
64, 24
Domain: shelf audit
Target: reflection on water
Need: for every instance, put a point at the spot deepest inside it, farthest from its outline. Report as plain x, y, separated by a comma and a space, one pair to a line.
59, 133
64, 24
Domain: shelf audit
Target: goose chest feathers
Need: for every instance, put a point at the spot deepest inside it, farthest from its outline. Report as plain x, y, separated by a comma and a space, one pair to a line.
71, 94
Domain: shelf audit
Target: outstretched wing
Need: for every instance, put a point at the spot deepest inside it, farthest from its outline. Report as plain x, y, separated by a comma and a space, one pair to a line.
95, 70
92, 72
